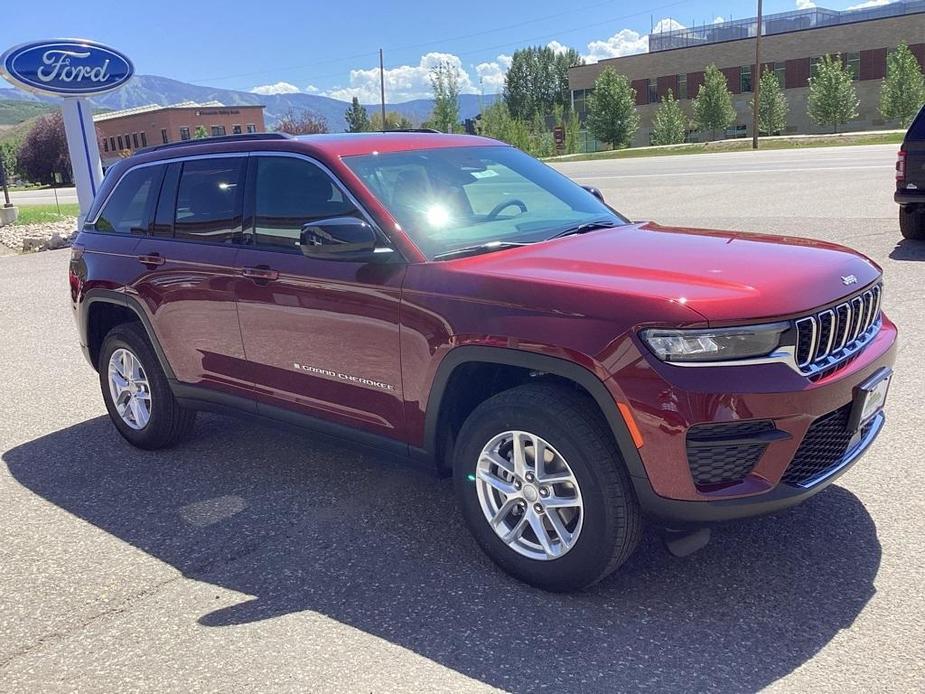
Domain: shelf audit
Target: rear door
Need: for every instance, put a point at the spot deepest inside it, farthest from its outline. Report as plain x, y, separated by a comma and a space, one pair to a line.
321, 335
188, 260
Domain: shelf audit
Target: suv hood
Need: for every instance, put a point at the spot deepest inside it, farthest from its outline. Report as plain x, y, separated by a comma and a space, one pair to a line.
722, 275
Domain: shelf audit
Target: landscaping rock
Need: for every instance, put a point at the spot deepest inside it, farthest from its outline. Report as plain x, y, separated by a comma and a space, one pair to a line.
29, 238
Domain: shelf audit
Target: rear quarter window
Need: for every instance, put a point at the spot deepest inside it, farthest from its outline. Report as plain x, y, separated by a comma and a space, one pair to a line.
129, 207
917, 129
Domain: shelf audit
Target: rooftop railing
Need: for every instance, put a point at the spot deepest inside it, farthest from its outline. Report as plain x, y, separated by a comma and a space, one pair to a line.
781, 23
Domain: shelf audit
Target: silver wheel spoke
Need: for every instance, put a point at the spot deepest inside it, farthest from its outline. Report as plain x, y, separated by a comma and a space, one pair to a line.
520, 456
539, 529
515, 532
502, 513
561, 502
494, 458
505, 488
565, 537
129, 389
539, 457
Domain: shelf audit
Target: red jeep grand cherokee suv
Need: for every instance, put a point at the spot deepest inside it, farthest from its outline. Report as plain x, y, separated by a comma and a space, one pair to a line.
451, 299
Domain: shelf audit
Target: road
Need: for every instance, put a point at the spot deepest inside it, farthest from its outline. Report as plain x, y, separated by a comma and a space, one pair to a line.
43, 196
250, 558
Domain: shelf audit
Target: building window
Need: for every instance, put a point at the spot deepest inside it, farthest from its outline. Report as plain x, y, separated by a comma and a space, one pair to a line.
184, 134
236, 129
135, 140
218, 130
128, 141
682, 86
653, 91
105, 145
251, 128
745, 78
780, 71
853, 63
144, 140
121, 146
112, 144
164, 135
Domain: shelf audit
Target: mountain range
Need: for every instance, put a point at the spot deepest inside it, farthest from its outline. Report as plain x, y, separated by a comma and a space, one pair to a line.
152, 89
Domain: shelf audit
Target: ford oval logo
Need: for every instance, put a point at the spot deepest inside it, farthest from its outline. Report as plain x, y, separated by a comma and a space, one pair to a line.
66, 67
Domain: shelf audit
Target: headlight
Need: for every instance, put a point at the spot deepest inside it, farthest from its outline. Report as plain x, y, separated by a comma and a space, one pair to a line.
719, 344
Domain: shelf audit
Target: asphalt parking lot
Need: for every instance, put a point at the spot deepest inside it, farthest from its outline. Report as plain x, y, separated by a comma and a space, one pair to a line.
250, 558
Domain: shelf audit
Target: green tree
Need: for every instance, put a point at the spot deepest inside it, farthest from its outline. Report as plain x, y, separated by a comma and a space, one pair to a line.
713, 108
357, 118
303, 122
200, 132
538, 80
8, 152
393, 121
669, 125
772, 105
903, 90
444, 80
572, 133
832, 98
612, 115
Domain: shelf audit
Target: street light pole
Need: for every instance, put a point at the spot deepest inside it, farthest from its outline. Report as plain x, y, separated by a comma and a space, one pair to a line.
756, 81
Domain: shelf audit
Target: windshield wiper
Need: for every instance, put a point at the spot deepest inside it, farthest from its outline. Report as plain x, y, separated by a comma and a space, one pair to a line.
478, 248
585, 227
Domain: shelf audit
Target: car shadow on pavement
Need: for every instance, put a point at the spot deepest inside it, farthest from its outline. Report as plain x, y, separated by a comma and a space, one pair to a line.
907, 249
303, 523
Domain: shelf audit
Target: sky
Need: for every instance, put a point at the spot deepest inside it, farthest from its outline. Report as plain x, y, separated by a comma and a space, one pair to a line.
331, 48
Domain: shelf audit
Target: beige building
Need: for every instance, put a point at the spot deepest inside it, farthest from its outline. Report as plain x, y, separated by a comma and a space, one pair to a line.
120, 133
791, 42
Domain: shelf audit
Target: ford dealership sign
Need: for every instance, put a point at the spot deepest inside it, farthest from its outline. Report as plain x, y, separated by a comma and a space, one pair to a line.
66, 67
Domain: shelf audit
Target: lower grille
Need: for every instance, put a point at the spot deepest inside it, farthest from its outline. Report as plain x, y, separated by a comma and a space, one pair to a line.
823, 448
715, 457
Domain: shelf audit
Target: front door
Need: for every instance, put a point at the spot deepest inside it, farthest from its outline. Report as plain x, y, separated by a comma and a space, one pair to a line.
321, 335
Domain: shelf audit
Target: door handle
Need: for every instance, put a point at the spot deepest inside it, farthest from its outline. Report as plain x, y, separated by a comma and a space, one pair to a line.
151, 259
261, 272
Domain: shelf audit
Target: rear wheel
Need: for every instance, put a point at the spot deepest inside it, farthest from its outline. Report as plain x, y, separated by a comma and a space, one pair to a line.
912, 222
135, 390
543, 488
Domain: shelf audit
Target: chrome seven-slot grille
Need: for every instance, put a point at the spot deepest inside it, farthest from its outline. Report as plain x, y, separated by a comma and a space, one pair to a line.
826, 338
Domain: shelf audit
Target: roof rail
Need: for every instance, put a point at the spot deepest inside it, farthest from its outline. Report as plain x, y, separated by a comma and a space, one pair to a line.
242, 137
413, 130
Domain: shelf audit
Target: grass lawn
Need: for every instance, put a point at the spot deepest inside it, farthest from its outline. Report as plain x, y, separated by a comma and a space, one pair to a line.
741, 145
38, 214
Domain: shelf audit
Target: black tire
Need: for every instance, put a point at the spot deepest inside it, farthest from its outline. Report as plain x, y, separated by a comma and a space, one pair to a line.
912, 222
572, 424
168, 422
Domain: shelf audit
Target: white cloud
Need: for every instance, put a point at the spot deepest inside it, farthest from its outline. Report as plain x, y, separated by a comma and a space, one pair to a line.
312, 89
557, 47
626, 42
805, 4
278, 88
402, 83
492, 73
718, 20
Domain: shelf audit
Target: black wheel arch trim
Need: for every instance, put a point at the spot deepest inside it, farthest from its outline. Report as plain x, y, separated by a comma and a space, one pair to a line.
534, 362
110, 296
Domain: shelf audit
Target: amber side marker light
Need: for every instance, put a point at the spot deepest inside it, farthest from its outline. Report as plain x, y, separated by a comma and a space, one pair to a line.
630, 423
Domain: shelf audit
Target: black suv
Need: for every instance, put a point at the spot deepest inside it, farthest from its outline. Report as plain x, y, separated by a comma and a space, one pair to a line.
910, 180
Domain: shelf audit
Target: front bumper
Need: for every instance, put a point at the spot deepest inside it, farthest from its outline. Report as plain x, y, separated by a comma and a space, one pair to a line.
667, 401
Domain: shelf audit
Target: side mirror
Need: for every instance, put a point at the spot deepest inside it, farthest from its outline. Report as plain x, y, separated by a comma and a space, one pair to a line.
338, 238
595, 192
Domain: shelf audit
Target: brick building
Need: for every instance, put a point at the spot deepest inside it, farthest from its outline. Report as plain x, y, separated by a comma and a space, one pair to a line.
791, 42
122, 132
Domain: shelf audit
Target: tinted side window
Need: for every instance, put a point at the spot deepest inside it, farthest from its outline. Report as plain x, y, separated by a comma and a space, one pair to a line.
289, 193
130, 206
917, 129
209, 200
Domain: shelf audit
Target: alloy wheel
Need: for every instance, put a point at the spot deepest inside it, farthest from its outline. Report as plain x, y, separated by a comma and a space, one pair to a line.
130, 390
529, 495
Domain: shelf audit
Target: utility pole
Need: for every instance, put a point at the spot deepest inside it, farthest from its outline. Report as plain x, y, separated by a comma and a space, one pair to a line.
382, 88
756, 81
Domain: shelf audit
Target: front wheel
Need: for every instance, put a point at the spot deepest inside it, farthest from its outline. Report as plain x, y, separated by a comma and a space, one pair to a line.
543, 488
912, 222
135, 390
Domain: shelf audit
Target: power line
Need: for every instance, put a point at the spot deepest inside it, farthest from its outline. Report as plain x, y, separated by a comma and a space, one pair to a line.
508, 44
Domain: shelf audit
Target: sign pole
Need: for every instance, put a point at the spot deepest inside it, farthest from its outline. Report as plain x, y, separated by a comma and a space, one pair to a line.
84, 151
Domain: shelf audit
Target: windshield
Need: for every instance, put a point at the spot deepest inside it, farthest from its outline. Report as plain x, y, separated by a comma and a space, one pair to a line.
457, 197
